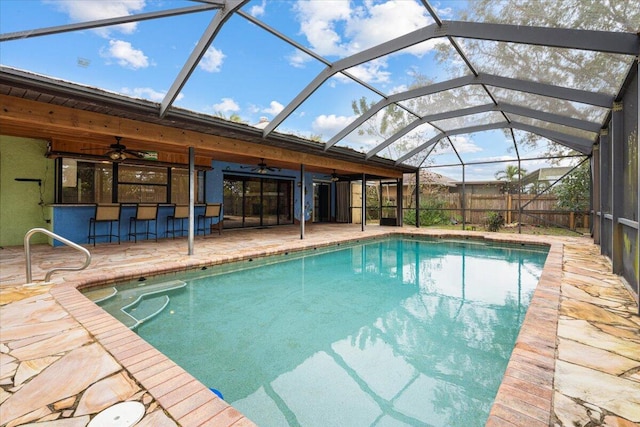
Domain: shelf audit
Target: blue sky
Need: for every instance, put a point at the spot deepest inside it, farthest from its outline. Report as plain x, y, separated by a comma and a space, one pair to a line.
247, 71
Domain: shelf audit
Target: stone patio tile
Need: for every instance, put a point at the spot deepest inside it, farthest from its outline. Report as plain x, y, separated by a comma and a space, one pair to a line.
106, 392
573, 292
586, 333
70, 339
599, 389
593, 313
29, 368
63, 422
569, 412
31, 311
36, 328
90, 360
594, 358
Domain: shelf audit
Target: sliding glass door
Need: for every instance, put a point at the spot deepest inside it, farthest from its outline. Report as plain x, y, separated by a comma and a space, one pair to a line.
257, 202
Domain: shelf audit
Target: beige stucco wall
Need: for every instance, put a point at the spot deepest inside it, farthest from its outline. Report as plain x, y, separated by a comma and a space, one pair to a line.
20, 208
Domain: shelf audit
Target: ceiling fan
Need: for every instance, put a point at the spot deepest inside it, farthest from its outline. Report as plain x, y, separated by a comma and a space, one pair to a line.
261, 167
118, 152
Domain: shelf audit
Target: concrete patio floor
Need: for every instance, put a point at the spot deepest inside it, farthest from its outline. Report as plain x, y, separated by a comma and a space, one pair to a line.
63, 359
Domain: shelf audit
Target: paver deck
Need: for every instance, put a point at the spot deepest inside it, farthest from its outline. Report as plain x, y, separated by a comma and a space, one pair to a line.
576, 361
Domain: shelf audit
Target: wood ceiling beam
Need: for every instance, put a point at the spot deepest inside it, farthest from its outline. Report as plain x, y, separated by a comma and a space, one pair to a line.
58, 121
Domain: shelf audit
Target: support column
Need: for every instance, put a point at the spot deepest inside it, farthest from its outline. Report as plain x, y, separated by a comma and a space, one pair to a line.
463, 200
596, 203
399, 202
302, 199
617, 181
192, 186
604, 156
364, 200
418, 198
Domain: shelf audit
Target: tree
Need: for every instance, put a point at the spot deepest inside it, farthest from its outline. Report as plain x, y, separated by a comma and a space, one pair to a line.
579, 69
511, 175
574, 190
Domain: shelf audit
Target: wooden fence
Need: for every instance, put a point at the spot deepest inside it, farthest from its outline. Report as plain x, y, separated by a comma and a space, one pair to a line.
541, 211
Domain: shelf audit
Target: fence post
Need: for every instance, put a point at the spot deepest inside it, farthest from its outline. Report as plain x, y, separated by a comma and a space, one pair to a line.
572, 220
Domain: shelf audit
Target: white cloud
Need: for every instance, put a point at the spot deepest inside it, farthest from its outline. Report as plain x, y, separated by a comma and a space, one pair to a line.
226, 106
125, 55
298, 59
148, 93
258, 10
464, 145
318, 20
330, 124
371, 72
274, 108
334, 28
90, 10
212, 60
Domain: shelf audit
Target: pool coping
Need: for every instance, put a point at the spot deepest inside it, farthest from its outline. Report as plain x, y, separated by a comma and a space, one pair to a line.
525, 396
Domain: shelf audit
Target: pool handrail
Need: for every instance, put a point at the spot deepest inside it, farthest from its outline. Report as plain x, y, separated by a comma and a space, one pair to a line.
27, 253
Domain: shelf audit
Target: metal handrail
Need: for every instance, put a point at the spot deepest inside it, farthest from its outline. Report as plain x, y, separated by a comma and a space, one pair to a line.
27, 253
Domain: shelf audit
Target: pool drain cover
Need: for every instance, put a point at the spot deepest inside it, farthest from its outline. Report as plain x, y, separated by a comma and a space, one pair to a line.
124, 414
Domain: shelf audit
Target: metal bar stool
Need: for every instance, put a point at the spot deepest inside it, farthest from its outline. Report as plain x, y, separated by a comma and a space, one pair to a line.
104, 213
180, 213
144, 213
212, 211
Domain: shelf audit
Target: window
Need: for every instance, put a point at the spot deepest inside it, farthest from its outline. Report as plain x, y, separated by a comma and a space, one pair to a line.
85, 182
142, 184
93, 182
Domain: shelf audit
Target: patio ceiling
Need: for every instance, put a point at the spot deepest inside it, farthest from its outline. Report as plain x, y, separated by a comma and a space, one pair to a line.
480, 97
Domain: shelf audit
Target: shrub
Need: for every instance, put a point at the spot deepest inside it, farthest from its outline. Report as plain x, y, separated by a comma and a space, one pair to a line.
431, 213
494, 221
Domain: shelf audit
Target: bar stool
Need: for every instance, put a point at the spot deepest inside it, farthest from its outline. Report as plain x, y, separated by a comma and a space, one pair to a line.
180, 213
104, 213
212, 210
144, 213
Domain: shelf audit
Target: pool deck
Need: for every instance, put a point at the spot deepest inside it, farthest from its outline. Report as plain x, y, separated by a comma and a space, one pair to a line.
63, 359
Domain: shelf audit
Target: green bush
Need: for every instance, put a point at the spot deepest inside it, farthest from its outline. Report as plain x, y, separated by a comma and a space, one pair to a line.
494, 221
431, 213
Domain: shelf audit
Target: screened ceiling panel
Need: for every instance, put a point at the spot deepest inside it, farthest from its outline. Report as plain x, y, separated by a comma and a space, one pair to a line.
590, 136
380, 77
448, 100
577, 69
558, 106
408, 142
470, 120
595, 15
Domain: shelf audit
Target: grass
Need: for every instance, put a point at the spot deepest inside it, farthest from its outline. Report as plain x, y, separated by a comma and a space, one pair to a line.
525, 229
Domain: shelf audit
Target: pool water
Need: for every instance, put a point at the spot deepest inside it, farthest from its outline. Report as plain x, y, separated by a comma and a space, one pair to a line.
388, 332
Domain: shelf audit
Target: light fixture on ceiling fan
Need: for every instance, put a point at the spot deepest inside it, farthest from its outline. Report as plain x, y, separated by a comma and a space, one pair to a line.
118, 152
334, 176
261, 168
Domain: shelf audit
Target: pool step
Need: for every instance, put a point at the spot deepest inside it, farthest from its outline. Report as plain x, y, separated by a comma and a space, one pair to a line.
137, 305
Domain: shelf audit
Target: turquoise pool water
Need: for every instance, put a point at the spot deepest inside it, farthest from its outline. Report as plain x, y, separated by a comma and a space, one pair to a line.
388, 332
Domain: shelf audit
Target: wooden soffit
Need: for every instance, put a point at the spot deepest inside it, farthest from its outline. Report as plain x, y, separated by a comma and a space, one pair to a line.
80, 130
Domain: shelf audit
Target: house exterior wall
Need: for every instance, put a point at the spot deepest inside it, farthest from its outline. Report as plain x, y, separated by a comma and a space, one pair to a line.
20, 203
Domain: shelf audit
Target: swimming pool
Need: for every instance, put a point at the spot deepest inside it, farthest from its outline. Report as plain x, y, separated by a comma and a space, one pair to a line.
353, 336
